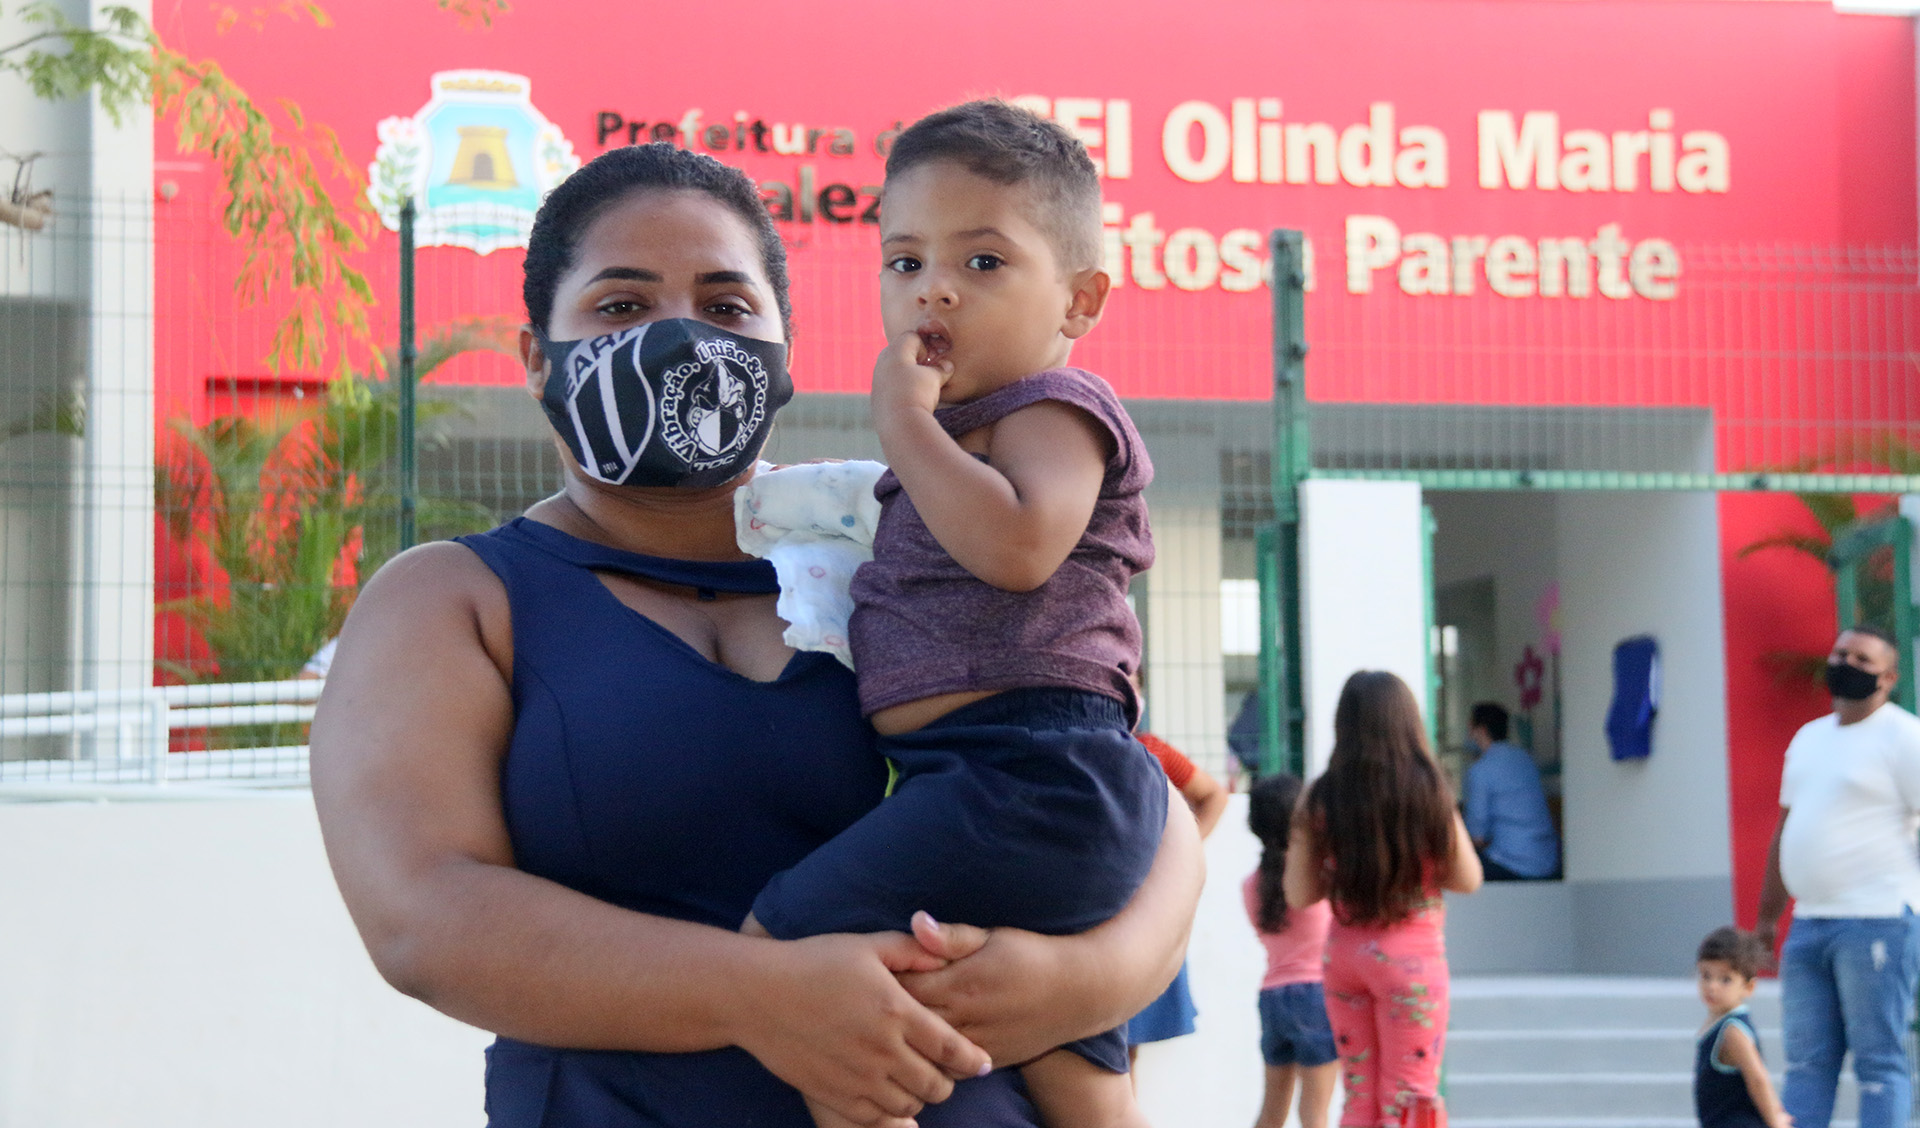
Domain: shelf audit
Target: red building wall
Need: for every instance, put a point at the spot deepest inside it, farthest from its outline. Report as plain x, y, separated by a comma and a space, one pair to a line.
1799, 126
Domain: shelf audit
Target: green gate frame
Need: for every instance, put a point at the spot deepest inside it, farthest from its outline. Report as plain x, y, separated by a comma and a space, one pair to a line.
1277, 546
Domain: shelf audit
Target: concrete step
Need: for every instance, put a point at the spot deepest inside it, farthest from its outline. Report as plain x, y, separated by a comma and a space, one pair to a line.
1570, 1121
1592, 1122
1536, 1094
1640, 1097
1618, 1050
1581, 1002
1586, 1051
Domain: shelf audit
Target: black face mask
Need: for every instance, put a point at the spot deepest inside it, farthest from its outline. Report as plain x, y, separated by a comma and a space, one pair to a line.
674, 403
1851, 683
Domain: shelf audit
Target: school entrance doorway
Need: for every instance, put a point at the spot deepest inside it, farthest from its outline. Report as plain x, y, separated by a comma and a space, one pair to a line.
1492, 545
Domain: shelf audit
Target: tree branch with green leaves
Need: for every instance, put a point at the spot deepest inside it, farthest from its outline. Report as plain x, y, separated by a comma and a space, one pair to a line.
294, 202
60, 59
279, 206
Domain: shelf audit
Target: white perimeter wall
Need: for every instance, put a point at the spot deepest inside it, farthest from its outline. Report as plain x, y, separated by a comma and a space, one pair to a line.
1213, 1078
190, 964
1363, 592
1644, 563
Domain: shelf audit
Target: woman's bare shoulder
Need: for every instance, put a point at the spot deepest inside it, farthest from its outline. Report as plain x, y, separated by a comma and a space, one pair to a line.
435, 594
433, 575
436, 564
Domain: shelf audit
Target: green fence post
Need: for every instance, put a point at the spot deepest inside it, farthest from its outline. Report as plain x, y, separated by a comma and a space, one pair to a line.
1266, 558
1284, 728
1903, 613
409, 468
1428, 527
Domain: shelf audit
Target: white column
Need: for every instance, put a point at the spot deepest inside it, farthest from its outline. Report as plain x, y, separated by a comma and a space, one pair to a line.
1363, 582
113, 616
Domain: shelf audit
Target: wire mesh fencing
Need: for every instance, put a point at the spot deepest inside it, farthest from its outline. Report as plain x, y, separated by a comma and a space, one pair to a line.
175, 512
1770, 368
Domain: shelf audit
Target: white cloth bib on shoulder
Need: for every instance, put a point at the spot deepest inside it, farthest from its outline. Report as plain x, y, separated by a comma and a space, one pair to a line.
815, 523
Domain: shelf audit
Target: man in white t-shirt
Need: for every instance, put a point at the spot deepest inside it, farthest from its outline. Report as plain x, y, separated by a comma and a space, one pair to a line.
1845, 850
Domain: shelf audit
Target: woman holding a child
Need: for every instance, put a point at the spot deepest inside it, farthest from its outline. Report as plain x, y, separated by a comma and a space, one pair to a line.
555, 763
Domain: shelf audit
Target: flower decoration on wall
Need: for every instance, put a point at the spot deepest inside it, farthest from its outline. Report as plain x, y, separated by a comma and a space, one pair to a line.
1547, 614
1528, 675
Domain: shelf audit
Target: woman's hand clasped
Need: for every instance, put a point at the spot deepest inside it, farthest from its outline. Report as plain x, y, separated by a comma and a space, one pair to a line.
987, 988
833, 1022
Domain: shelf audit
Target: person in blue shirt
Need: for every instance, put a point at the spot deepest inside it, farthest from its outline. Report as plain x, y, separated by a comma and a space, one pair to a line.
1505, 807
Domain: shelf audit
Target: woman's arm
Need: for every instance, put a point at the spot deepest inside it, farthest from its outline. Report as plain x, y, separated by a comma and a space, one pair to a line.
1305, 878
1019, 994
1464, 873
407, 747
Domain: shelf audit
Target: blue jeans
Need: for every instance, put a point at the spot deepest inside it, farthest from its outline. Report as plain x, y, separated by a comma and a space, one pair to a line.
1847, 983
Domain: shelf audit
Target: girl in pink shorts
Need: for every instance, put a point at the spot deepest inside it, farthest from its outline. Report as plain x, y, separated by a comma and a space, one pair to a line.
1379, 837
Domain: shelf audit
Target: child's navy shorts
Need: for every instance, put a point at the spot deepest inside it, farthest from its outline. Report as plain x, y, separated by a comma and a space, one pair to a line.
1033, 808
1293, 1025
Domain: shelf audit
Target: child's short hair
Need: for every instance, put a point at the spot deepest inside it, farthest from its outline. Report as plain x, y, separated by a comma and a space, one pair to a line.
1001, 142
1742, 951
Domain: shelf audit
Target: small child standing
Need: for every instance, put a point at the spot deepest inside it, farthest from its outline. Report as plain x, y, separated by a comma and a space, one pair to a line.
1731, 1088
1295, 1040
1380, 837
990, 634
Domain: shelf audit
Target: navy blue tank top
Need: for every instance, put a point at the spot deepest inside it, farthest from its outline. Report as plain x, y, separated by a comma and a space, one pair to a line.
1720, 1097
645, 775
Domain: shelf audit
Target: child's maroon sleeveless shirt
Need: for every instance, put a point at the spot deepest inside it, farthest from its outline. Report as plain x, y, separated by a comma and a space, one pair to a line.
923, 625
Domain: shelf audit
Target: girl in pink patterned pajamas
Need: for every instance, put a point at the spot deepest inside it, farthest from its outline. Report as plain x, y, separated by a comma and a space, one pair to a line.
1379, 836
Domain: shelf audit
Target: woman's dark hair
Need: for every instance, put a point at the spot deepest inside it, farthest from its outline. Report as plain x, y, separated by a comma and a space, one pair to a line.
618, 173
1382, 807
1270, 807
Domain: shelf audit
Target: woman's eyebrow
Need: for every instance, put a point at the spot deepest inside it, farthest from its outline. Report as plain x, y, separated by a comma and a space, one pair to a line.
626, 274
724, 277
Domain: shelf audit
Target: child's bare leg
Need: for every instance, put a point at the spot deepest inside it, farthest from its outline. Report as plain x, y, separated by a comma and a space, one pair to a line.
1279, 1097
752, 927
1316, 1093
1071, 1092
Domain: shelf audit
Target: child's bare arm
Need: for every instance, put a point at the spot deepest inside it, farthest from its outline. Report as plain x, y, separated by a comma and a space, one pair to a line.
1305, 879
1738, 1050
1464, 871
1011, 523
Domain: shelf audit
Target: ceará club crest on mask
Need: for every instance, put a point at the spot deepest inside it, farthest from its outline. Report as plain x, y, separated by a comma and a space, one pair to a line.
674, 403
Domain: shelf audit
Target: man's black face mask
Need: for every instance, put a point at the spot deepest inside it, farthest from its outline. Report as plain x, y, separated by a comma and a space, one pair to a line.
1851, 683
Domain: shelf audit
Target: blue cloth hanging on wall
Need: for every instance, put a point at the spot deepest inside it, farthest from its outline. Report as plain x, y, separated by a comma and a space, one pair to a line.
1636, 697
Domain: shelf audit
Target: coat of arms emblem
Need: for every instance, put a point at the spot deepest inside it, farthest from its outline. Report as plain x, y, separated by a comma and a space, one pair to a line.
477, 160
